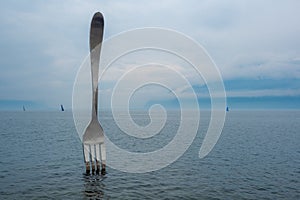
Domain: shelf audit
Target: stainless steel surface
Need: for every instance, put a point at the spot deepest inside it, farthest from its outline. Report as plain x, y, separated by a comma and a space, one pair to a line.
93, 137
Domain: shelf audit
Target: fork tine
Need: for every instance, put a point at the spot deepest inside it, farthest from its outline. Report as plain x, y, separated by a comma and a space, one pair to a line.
86, 154
97, 158
86, 149
97, 152
103, 158
93, 158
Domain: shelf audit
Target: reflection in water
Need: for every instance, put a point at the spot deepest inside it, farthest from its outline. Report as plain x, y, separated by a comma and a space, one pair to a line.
93, 186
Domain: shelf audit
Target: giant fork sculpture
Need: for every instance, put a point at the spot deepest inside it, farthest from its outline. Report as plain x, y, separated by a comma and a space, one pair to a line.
93, 137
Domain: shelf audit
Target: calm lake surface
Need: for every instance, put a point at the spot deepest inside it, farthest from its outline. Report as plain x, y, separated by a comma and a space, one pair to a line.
256, 157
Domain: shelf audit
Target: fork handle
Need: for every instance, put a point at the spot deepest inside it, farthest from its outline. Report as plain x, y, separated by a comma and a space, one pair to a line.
96, 37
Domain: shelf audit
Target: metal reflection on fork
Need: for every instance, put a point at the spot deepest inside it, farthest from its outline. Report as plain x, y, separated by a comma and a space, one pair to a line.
93, 138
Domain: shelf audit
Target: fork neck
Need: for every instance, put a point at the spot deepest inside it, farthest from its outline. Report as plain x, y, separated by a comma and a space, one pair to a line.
95, 103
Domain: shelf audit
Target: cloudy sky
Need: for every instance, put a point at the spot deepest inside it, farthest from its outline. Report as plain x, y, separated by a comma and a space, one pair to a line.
255, 44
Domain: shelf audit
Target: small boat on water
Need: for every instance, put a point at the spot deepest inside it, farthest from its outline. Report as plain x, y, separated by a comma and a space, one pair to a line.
24, 108
227, 109
62, 107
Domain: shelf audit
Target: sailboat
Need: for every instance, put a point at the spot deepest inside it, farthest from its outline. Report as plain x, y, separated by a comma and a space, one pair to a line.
24, 108
227, 109
62, 107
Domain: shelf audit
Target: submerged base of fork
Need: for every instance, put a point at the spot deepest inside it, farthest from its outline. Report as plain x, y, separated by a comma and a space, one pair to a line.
98, 167
88, 167
103, 170
93, 167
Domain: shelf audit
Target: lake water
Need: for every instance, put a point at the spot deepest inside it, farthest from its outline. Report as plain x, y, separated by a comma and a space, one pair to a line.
256, 157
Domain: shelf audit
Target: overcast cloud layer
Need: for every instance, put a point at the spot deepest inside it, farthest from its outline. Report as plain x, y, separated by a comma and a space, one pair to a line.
255, 44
